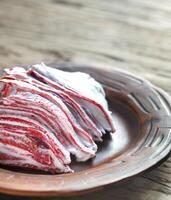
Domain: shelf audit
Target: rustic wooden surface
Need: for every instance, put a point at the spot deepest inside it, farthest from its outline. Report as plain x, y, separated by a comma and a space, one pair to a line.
134, 35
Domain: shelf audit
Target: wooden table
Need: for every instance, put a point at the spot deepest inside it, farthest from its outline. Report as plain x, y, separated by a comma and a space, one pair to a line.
133, 35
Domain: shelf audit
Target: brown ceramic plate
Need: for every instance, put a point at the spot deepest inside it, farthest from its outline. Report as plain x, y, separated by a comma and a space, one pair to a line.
141, 114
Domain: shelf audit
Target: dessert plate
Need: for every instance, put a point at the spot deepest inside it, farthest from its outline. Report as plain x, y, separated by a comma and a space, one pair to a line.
142, 118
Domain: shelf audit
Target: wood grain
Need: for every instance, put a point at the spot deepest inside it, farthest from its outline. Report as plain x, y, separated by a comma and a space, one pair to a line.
133, 35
